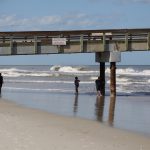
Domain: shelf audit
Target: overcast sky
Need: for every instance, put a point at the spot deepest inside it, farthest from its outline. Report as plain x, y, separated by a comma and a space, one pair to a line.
19, 15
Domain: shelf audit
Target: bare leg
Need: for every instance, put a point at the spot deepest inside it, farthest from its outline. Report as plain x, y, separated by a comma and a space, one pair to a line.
76, 89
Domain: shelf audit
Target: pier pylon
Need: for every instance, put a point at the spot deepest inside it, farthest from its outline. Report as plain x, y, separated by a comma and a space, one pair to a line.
112, 57
102, 75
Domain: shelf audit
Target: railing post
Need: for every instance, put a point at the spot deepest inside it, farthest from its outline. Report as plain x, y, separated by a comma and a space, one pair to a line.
148, 41
35, 45
126, 42
104, 41
81, 43
11, 45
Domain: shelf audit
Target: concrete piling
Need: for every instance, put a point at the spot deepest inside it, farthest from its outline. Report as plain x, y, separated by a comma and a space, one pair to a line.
113, 79
102, 75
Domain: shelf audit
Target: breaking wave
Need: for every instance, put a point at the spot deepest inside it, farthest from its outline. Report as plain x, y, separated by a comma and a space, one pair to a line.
69, 70
130, 71
14, 72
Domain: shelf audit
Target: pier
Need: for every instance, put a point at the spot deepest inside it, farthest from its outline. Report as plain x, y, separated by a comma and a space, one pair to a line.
106, 44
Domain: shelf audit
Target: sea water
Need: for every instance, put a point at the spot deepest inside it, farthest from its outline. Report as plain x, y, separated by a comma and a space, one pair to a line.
51, 88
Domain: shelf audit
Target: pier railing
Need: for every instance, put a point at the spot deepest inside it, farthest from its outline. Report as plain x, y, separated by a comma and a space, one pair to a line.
79, 41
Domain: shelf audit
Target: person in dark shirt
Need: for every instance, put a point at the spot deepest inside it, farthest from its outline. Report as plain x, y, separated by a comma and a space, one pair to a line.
76, 83
1, 81
98, 86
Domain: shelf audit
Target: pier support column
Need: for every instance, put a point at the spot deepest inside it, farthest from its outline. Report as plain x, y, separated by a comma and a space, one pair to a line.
102, 75
112, 57
113, 79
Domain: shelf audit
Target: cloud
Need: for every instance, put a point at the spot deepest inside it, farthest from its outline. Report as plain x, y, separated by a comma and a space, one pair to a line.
54, 22
12, 22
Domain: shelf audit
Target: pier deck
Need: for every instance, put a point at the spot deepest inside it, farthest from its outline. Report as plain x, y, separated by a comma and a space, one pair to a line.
79, 41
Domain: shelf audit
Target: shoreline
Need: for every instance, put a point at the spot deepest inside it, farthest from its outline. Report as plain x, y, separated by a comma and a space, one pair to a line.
125, 112
28, 128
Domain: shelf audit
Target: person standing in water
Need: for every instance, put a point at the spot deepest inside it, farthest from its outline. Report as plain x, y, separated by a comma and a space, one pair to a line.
76, 83
1, 82
98, 86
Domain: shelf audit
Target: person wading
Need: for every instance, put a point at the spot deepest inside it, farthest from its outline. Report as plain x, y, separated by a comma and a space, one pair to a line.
98, 86
1, 82
76, 83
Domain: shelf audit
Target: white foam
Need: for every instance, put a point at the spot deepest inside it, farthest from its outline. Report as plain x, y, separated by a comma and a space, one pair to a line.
121, 82
13, 72
93, 78
69, 70
55, 68
38, 81
122, 79
121, 90
130, 71
146, 72
43, 81
38, 90
64, 68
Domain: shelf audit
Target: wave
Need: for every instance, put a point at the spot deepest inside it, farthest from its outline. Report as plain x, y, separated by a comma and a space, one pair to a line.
54, 71
81, 71
43, 81
14, 72
69, 70
66, 68
130, 71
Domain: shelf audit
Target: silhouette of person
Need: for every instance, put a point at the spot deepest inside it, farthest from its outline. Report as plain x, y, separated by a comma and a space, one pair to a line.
98, 86
1, 81
76, 83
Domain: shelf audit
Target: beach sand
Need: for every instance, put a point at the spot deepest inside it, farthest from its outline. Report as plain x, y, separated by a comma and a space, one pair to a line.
24, 128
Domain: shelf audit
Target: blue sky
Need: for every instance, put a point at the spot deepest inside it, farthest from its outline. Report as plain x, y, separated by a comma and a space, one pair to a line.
19, 15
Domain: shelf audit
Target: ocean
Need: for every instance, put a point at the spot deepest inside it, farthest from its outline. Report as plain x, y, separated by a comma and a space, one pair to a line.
51, 88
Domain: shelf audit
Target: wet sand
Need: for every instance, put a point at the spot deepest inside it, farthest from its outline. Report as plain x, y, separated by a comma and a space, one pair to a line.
27, 129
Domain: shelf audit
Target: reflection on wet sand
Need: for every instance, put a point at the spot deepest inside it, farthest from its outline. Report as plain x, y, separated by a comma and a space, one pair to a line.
100, 113
99, 107
111, 110
75, 108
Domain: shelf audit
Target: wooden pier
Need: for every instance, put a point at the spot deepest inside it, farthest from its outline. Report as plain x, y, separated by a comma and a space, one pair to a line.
106, 44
